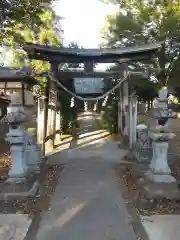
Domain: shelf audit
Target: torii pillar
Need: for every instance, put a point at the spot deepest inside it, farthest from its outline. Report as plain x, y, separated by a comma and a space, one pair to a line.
123, 112
52, 108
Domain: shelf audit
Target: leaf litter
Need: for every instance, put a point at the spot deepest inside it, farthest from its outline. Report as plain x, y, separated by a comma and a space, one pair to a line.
41, 201
144, 206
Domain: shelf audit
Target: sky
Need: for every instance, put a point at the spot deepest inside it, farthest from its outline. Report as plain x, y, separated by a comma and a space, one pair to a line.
83, 20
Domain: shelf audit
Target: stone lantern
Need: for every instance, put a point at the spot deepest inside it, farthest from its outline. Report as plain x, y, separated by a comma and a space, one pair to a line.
158, 181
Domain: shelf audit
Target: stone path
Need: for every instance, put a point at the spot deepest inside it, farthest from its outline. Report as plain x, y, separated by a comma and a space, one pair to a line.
162, 227
14, 226
87, 203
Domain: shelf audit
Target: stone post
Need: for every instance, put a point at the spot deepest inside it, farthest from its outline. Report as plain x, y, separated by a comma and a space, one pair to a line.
125, 108
120, 125
40, 119
125, 115
58, 126
135, 113
132, 121
16, 137
33, 153
142, 145
18, 170
52, 114
131, 108
158, 181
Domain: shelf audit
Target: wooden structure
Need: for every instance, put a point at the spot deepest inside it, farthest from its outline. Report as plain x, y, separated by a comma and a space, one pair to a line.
14, 80
88, 57
71, 55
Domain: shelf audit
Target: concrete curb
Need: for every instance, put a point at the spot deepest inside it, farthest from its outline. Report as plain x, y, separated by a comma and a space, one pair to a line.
21, 195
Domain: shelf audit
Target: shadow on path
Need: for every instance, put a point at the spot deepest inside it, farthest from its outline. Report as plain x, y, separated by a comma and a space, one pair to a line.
87, 203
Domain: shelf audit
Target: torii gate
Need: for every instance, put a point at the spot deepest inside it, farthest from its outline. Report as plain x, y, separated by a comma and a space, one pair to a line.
89, 57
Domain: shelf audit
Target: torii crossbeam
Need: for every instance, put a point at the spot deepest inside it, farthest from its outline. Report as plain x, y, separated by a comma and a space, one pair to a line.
104, 55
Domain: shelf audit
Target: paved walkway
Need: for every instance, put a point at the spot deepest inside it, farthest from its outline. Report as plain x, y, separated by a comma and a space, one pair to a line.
87, 203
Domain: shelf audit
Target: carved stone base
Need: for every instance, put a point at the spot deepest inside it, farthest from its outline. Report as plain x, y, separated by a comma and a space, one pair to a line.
20, 190
18, 170
152, 190
160, 178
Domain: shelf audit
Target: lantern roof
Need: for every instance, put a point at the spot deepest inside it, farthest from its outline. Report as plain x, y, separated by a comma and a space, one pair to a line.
17, 75
102, 55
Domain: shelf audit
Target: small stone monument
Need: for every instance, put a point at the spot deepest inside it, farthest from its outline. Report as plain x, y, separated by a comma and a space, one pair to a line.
22, 178
142, 145
15, 116
158, 181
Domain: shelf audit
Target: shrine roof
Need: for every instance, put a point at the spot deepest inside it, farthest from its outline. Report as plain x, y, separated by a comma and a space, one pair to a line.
103, 55
16, 75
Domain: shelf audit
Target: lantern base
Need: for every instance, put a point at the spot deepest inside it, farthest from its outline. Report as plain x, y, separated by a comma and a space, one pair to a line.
153, 190
20, 190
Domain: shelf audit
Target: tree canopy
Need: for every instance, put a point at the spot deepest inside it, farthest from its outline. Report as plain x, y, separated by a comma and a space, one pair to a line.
139, 22
26, 12
74, 45
44, 33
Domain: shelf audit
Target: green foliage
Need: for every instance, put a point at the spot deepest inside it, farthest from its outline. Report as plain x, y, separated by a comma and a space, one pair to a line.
73, 65
45, 33
67, 113
110, 116
25, 12
145, 89
138, 23
32, 131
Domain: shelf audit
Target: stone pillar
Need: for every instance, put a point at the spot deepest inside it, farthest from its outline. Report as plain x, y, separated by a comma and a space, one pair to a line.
45, 116
132, 121
18, 170
119, 117
142, 144
40, 120
135, 103
126, 107
131, 125
52, 114
120, 111
58, 126
16, 137
125, 114
33, 153
159, 170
